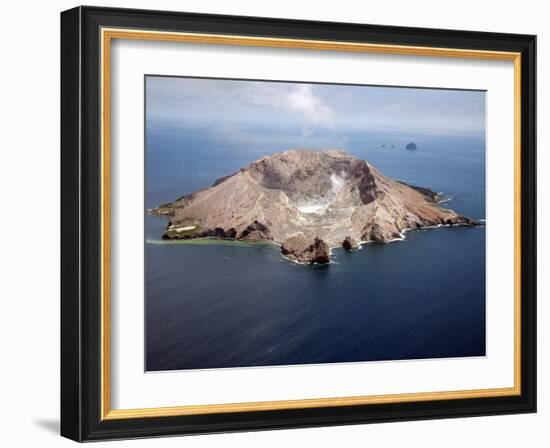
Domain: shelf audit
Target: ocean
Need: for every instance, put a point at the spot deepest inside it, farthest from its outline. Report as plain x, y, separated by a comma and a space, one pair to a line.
212, 304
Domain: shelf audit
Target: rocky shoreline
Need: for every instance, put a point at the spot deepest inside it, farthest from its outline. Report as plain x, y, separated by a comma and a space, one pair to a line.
301, 250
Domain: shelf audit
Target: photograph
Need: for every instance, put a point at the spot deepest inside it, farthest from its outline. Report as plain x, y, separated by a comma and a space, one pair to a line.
276, 220
299, 223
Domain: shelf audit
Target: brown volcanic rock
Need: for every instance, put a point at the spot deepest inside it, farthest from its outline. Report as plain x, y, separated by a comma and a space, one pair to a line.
256, 231
299, 248
328, 195
350, 244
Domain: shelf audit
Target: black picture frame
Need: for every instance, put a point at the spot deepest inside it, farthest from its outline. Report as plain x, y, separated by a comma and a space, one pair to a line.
81, 224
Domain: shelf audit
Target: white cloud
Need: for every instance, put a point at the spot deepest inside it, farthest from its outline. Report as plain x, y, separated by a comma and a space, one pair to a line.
173, 97
313, 107
298, 101
303, 101
392, 108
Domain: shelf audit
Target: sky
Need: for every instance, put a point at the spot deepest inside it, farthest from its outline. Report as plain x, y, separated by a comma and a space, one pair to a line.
235, 106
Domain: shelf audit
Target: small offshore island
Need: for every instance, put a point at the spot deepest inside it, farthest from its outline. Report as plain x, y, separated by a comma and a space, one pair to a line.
307, 202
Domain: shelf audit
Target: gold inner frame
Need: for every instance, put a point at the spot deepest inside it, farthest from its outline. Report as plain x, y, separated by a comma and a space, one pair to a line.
107, 35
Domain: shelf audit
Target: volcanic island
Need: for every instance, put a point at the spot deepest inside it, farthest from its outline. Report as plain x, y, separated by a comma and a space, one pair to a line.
307, 202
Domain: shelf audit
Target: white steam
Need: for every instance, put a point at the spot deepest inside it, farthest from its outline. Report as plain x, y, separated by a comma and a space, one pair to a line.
321, 205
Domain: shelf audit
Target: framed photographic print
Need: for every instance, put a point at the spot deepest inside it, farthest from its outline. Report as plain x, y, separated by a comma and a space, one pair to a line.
273, 223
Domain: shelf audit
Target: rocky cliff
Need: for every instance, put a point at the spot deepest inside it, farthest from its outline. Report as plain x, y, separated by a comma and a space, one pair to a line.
307, 201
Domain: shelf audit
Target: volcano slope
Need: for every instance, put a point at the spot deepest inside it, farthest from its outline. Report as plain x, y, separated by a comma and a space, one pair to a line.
307, 202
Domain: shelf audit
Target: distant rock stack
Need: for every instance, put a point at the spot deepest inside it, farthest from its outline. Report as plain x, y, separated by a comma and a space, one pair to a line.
411, 146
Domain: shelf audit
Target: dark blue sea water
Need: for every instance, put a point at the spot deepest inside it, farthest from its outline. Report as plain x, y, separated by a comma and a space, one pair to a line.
232, 305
